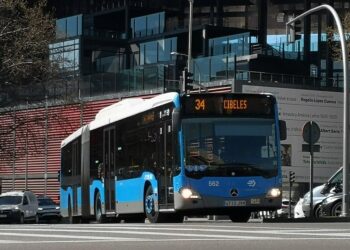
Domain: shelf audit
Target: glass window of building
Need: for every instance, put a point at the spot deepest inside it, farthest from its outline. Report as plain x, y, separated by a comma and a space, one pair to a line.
236, 44
69, 27
148, 25
66, 55
157, 51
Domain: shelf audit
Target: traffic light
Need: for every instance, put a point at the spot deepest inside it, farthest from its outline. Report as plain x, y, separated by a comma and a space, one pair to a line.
187, 78
294, 31
291, 176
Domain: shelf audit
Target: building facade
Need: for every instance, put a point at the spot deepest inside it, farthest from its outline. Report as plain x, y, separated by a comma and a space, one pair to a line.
114, 49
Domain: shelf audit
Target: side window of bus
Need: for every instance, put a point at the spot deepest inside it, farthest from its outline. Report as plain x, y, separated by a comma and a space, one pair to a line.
67, 160
150, 138
136, 152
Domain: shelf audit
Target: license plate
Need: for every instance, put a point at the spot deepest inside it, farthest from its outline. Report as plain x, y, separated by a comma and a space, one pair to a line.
3, 216
236, 203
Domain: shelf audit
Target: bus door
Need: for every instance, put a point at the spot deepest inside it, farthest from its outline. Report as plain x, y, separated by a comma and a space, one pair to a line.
109, 168
166, 197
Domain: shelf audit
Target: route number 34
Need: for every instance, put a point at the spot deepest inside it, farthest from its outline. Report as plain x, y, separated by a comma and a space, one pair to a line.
200, 104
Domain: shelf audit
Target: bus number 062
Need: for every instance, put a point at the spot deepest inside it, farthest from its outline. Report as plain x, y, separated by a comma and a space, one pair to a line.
214, 183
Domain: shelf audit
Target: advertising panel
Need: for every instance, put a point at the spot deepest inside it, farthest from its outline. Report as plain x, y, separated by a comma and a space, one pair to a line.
297, 107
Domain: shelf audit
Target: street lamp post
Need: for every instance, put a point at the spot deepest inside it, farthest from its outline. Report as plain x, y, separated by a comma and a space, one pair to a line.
189, 54
346, 170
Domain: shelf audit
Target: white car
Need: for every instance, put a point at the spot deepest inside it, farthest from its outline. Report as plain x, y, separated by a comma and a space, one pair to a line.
298, 209
284, 210
18, 206
320, 193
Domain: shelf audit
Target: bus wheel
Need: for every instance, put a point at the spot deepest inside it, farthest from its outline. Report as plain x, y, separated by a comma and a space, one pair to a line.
150, 211
98, 209
240, 216
70, 213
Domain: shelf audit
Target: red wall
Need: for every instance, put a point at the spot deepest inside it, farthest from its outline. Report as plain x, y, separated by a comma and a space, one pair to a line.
62, 121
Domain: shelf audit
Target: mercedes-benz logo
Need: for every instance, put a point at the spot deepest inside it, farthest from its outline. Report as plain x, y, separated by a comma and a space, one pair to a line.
234, 192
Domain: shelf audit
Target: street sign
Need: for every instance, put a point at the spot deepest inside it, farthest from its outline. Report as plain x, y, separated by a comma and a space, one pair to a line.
307, 148
311, 132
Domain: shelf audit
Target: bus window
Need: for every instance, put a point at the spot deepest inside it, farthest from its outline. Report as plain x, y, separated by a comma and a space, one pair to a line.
67, 160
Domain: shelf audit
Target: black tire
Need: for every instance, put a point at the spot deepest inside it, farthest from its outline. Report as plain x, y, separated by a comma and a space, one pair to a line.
98, 209
149, 206
317, 211
240, 216
337, 209
36, 219
21, 219
70, 213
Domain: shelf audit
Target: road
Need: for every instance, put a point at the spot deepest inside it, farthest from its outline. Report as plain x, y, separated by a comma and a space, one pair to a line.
190, 235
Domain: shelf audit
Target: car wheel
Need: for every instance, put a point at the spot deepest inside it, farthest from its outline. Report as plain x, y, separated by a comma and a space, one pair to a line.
317, 211
337, 209
21, 219
36, 219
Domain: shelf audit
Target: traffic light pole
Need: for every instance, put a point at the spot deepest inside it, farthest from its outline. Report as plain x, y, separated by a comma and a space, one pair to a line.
290, 200
311, 212
346, 167
291, 181
189, 53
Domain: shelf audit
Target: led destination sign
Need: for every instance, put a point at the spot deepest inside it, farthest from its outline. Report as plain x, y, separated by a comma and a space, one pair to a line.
229, 104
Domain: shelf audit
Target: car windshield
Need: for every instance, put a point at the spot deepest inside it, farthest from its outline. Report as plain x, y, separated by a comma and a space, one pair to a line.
230, 147
10, 200
46, 202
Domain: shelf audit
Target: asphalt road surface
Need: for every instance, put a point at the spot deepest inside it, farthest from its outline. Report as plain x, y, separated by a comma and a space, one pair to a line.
186, 236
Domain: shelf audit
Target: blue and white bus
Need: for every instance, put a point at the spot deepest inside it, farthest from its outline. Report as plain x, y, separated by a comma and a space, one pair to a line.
173, 156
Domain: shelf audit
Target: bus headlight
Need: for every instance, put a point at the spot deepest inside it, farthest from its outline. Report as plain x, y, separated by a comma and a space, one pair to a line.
273, 193
188, 193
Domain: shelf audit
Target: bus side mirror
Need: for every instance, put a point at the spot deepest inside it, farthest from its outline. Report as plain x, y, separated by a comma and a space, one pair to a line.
176, 120
283, 130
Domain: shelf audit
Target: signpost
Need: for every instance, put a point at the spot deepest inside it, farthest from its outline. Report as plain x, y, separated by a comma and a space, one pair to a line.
311, 135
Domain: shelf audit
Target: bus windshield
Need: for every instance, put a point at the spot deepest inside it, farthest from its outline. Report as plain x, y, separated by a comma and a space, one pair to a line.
229, 147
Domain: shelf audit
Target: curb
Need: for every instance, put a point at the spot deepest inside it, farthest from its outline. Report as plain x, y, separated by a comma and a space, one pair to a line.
307, 220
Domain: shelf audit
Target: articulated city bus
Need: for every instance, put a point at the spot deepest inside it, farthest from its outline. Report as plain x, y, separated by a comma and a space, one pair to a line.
175, 155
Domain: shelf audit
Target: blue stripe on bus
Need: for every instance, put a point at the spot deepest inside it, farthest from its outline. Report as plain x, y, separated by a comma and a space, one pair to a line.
133, 189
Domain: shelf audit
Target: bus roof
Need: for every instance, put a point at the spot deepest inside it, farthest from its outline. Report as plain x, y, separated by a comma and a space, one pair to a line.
123, 109
72, 136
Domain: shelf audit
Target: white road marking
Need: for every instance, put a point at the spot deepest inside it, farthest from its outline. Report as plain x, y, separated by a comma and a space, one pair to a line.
78, 234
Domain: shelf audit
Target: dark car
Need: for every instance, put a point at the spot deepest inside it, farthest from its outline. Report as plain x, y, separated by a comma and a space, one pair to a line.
332, 205
48, 209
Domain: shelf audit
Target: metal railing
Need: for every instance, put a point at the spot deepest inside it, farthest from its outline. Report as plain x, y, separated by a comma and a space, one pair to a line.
146, 80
